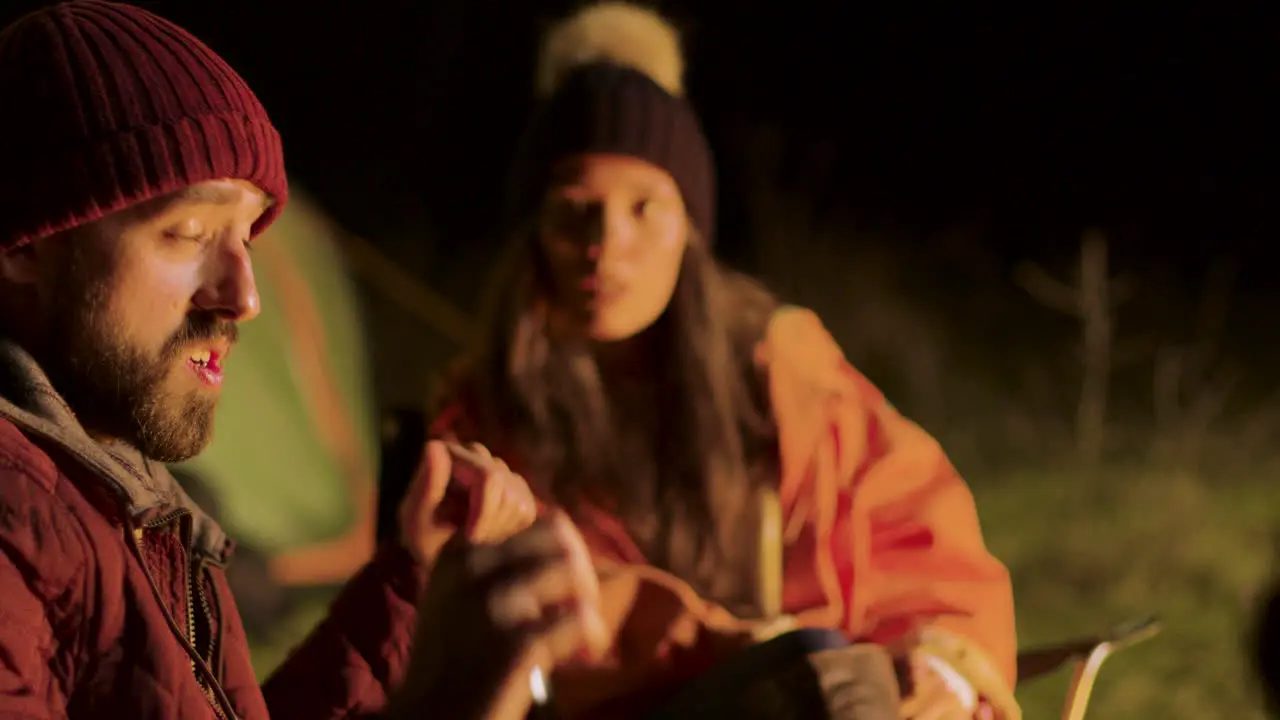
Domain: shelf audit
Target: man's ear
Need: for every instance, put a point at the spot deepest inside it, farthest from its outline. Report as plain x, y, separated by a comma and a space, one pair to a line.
19, 266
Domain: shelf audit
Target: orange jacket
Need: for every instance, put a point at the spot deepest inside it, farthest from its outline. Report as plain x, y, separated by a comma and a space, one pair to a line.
881, 539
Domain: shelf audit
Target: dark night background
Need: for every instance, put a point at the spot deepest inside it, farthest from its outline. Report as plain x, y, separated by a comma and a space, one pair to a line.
401, 116
978, 137
1013, 127
937, 150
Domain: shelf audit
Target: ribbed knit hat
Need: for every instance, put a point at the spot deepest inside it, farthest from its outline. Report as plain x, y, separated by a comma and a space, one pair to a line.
611, 80
105, 105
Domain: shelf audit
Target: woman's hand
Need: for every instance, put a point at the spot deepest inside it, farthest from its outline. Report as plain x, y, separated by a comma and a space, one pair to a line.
462, 488
937, 692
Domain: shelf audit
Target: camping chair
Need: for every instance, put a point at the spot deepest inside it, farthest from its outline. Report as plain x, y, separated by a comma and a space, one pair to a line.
752, 683
1088, 654
775, 680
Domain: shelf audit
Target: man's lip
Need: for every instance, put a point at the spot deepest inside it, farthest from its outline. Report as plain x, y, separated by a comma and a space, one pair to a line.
218, 351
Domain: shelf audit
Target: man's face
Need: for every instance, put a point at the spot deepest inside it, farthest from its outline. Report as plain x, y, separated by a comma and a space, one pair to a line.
139, 314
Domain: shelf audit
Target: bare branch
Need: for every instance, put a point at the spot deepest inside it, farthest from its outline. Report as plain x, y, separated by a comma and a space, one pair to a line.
1215, 300
1092, 301
1130, 352
1046, 289
1123, 288
1096, 327
1209, 403
1166, 384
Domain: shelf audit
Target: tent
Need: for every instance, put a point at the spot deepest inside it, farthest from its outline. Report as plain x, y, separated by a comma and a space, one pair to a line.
295, 436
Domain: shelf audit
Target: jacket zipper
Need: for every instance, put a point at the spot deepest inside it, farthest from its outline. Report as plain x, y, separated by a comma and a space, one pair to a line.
203, 674
211, 652
195, 593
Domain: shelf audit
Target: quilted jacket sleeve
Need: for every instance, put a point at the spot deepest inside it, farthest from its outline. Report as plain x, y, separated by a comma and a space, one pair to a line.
36, 663
354, 659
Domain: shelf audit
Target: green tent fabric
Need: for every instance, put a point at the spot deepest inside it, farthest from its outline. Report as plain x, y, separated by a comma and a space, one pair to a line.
278, 483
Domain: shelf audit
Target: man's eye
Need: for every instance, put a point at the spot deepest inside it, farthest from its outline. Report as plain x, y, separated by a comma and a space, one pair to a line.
198, 238
188, 228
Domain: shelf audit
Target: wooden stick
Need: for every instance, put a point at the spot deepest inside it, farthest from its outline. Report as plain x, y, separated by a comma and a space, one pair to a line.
769, 555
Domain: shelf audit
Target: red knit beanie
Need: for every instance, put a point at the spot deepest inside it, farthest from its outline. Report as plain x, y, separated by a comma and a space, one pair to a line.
105, 105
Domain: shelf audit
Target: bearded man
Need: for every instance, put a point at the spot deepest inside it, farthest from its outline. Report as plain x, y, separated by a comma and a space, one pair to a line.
139, 170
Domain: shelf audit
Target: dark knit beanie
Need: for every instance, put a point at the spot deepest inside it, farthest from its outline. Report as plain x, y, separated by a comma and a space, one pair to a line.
105, 105
611, 81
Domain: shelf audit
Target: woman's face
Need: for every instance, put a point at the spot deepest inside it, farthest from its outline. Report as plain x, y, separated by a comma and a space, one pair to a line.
613, 231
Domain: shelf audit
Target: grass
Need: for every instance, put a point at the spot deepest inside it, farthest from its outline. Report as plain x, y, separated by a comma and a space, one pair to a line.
1085, 555
1088, 553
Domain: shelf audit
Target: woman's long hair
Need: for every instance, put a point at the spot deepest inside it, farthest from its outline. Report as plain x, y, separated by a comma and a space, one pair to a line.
687, 495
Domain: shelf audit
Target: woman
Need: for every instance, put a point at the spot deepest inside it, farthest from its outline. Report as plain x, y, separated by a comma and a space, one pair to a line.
652, 393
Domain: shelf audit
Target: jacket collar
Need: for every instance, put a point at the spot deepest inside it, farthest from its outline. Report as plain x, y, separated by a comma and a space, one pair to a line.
143, 487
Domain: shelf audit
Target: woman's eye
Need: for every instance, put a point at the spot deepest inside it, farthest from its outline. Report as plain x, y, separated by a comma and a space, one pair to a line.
569, 214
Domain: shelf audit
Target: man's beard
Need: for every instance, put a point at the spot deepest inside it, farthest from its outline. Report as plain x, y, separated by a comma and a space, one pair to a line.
117, 389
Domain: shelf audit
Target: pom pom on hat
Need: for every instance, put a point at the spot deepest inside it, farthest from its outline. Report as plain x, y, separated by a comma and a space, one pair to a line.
610, 80
619, 33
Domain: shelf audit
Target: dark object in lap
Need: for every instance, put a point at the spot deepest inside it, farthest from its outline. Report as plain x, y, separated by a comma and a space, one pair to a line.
809, 674
1266, 649
404, 431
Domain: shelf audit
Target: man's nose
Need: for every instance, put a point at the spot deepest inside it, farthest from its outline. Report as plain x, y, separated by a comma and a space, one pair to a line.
229, 289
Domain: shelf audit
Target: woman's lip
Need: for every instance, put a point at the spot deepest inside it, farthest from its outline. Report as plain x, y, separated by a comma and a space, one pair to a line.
608, 294
600, 292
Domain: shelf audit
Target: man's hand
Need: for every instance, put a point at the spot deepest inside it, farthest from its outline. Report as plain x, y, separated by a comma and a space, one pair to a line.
494, 612
493, 503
